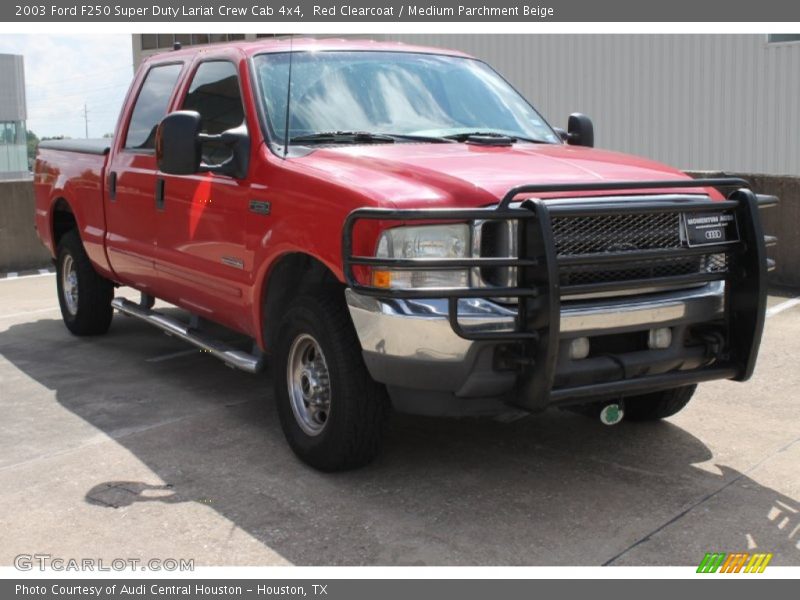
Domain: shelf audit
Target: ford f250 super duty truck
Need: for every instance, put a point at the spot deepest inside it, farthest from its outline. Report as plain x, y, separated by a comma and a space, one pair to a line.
395, 226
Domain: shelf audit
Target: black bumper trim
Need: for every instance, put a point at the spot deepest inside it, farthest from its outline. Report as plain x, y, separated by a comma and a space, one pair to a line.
639, 385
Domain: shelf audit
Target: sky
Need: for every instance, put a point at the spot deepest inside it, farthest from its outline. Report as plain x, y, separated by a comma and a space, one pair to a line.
64, 72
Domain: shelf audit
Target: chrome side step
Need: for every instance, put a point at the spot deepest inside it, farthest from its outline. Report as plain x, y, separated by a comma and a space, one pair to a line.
237, 359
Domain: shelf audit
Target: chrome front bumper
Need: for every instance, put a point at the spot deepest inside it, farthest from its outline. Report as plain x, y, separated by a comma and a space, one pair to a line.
410, 343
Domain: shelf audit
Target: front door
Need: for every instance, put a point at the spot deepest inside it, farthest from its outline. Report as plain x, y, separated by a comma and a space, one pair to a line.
202, 257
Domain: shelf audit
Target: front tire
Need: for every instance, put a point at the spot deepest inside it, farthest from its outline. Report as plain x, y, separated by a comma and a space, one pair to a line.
332, 412
83, 295
658, 405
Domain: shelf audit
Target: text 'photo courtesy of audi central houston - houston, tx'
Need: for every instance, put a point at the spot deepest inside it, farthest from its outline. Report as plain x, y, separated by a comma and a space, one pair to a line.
396, 227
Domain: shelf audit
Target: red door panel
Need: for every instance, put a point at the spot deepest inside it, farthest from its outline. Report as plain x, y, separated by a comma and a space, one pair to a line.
130, 217
202, 255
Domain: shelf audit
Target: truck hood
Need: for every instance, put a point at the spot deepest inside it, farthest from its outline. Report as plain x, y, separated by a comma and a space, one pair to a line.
468, 174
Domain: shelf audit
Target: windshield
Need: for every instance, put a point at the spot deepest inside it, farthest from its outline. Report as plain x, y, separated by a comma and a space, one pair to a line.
394, 93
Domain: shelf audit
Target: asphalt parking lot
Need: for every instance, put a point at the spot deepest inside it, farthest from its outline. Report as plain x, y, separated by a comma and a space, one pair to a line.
134, 445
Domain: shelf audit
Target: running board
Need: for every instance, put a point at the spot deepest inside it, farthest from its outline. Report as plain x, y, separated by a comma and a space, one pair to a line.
238, 359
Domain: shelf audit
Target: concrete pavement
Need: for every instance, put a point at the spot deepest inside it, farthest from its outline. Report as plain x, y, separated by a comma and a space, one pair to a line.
134, 445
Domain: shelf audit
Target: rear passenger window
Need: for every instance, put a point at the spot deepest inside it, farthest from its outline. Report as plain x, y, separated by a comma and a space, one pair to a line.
215, 94
151, 106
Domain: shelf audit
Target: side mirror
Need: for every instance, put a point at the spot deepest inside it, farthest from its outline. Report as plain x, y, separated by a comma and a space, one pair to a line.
179, 146
238, 141
178, 149
581, 130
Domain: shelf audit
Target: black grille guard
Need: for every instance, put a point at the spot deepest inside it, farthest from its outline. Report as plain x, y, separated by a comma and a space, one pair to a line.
539, 293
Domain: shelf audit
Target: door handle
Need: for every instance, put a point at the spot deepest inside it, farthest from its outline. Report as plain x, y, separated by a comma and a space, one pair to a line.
112, 186
159, 194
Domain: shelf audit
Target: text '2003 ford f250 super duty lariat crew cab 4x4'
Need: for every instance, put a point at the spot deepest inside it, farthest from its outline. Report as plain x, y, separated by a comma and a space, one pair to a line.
397, 226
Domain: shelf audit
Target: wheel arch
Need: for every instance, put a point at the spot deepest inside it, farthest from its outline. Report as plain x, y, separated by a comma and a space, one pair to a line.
62, 220
289, 275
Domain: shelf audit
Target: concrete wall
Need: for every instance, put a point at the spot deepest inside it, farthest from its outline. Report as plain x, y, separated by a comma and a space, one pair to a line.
19, 247
783, 222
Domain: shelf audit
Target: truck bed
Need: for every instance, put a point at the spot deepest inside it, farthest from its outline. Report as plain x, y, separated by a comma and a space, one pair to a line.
87, 146
69, 176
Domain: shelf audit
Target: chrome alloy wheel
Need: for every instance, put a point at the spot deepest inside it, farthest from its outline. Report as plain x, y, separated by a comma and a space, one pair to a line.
69, 284
309, 384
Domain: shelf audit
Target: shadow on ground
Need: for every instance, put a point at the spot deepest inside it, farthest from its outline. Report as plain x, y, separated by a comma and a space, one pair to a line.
554, 489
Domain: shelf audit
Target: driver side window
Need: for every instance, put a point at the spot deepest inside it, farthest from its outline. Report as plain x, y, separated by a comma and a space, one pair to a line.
215, 94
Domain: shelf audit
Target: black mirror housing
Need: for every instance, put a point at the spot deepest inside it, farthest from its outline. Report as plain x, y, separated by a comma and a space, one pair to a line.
581, 130
562, 133
238, 141
178, 148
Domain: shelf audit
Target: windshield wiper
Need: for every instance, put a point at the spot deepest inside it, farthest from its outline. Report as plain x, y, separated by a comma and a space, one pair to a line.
368, 137
463, 137
342, 137
421, 138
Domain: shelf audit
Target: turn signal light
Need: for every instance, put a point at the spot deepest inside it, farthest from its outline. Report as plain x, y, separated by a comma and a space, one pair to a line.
382, 279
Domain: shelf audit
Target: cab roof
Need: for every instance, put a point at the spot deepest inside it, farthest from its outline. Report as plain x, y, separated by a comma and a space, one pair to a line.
286, 44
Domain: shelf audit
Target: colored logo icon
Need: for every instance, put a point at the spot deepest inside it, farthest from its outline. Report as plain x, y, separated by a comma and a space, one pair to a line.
737, 562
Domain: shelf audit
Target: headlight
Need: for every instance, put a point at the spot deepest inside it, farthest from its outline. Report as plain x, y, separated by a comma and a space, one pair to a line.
423, 242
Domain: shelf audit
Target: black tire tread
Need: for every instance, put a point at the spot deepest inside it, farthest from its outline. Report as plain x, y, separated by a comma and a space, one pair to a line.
94, 291
658, 405
357, 439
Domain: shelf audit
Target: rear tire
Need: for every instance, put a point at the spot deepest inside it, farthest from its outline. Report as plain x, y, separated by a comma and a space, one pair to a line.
658, 405
332, 412
83, 295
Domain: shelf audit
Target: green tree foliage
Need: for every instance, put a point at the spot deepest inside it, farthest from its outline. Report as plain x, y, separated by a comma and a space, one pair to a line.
33, 141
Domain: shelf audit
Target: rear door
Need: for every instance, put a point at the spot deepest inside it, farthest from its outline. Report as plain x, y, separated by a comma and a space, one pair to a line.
201, 224
131, 180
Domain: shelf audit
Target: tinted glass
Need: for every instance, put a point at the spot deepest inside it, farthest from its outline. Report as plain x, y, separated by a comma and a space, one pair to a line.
151, 106
393, 92
215, 94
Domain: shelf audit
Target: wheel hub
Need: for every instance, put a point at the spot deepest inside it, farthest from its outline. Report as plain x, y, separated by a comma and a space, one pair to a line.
69, 285
309, 385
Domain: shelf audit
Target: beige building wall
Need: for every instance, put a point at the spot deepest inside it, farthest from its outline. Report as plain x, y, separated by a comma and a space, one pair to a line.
147, 44
717, 102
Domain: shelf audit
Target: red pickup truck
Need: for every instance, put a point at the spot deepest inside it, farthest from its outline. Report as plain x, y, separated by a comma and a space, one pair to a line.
396, 226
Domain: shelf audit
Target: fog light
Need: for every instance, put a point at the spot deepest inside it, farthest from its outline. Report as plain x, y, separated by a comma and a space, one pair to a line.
660, 338
579, 348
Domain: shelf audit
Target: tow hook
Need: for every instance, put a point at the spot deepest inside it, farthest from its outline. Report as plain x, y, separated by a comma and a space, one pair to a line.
612, 413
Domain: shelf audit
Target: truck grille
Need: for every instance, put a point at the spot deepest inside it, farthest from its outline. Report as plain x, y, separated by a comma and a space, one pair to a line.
595, 235
648, 269
616, 233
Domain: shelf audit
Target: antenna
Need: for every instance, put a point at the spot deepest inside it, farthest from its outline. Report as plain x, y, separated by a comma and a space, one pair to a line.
288, 98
